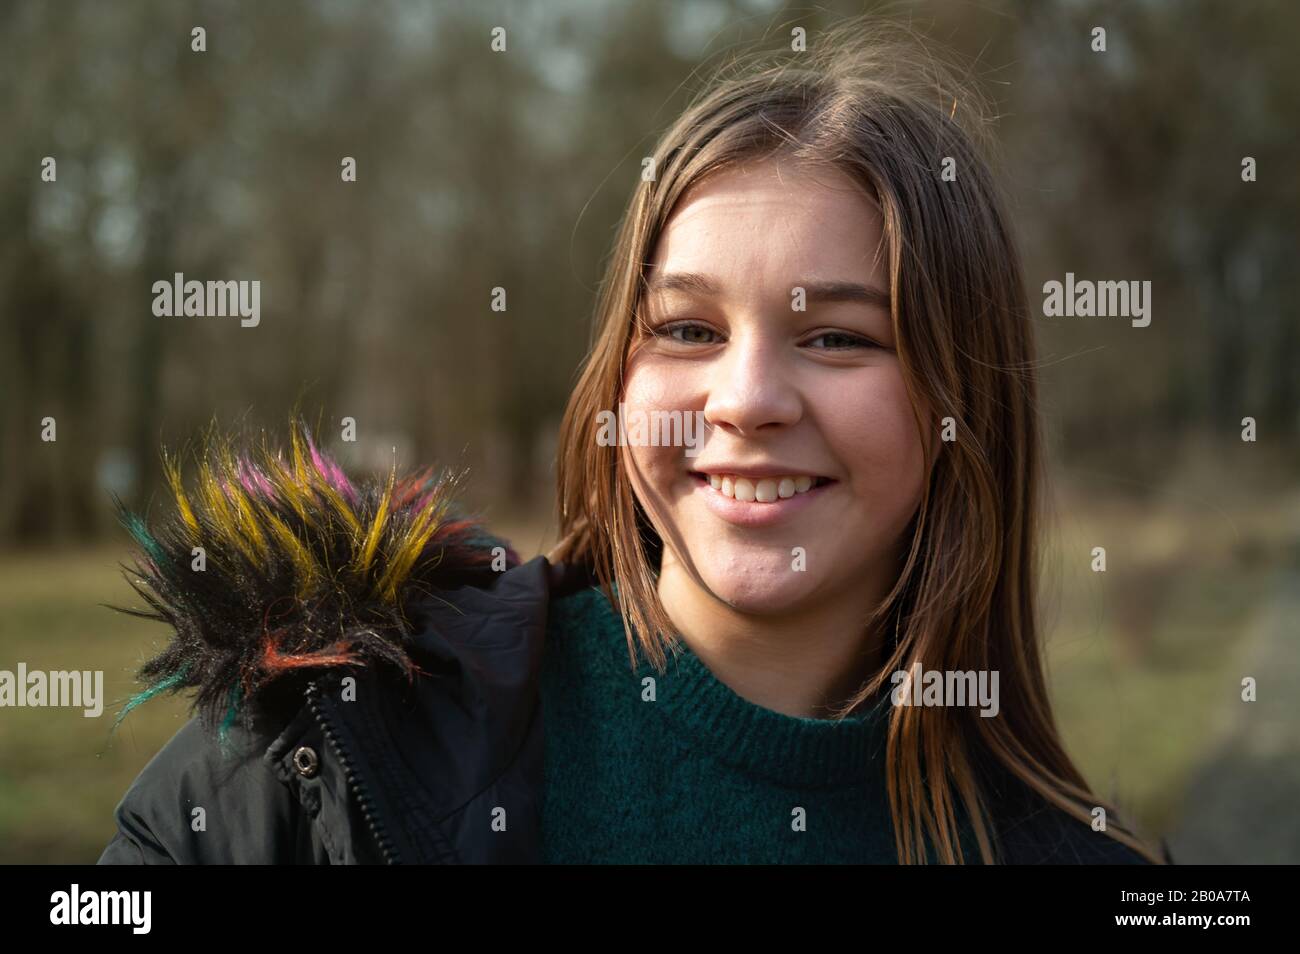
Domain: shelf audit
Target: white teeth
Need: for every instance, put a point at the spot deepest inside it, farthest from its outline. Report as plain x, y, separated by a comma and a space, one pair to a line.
762, 490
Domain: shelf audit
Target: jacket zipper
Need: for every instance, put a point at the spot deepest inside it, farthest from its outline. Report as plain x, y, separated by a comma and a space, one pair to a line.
386, 846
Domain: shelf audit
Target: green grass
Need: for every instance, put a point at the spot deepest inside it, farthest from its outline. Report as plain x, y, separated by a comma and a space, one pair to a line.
1143, 658
61, 774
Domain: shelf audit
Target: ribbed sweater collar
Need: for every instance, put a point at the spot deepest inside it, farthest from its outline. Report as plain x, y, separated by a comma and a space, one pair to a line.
710, 716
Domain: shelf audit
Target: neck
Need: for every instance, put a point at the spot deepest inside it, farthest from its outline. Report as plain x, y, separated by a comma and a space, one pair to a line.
804, 663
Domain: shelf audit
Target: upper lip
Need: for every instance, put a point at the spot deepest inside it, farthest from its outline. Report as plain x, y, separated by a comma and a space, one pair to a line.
753, 470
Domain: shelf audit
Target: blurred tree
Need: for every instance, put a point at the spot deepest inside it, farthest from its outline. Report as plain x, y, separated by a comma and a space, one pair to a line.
480, 169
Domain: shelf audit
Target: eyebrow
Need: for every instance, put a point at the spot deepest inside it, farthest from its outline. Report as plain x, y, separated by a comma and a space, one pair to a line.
814, 291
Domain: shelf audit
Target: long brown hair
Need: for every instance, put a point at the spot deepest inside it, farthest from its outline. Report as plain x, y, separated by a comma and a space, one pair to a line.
867, 100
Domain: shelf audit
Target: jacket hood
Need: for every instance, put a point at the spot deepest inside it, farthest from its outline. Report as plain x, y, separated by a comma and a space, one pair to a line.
276, 563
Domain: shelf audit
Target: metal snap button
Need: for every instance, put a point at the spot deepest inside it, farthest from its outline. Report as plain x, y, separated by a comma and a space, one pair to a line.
306, 761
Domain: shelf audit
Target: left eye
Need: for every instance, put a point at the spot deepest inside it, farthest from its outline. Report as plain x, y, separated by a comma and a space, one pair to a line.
839, 341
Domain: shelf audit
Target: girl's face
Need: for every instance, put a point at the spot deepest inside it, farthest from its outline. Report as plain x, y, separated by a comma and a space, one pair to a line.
811, 464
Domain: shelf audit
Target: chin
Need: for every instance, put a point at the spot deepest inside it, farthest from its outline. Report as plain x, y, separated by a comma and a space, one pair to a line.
765, 585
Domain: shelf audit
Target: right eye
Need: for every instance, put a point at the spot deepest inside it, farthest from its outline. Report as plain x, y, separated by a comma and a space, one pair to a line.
687, 332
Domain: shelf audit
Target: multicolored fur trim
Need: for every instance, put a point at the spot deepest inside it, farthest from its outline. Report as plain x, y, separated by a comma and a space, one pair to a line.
301, 568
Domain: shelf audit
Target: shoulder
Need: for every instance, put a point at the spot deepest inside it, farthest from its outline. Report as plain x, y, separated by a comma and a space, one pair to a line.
1046, 835
210, 798
1032, 831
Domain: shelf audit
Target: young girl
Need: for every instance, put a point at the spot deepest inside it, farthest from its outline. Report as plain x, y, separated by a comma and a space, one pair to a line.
792, 614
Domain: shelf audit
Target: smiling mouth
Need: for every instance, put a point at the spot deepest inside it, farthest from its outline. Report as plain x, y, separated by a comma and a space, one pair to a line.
761, 489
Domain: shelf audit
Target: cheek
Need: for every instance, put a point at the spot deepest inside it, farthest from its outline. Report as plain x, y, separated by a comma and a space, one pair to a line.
651, 384
648, 388
871, 428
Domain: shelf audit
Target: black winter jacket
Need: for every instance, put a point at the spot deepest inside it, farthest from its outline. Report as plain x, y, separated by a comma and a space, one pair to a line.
367, 683
388, 774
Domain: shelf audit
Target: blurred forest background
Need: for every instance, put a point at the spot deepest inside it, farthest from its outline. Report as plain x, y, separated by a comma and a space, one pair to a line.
479, 169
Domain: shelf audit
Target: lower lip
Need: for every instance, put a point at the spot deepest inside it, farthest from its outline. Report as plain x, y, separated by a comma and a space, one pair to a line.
744, 513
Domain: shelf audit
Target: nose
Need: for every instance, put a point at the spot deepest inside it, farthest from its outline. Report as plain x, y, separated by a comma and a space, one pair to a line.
749, 388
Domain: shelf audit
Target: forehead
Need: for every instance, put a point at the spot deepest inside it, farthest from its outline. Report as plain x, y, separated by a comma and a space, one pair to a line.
771, 221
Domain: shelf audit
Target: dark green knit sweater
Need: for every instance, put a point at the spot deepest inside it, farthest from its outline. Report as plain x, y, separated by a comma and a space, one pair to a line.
699, 775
